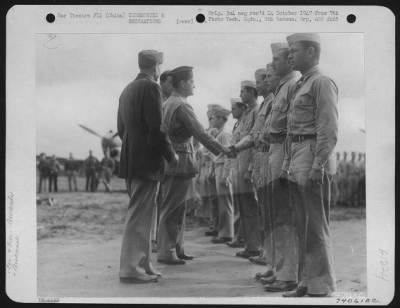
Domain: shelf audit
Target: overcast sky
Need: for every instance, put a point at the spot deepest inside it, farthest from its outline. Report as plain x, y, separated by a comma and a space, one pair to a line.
79, 79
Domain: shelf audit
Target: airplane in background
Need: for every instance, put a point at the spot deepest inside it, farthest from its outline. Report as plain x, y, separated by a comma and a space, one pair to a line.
110, 143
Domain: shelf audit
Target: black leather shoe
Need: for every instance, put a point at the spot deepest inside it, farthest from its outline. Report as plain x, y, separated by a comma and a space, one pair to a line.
221, 240
139, 279
281, 286
299, 292
185, 257
247, 253
318, 295
259, 260
211, 233
172, 261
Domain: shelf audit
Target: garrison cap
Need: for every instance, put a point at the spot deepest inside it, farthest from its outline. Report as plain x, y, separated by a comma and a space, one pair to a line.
210, 109
298, 37
150, 57
220, 111
181, 72
278, 47
248, 83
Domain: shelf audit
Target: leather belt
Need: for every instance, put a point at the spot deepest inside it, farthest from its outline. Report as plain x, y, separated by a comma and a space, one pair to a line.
301, 138
277, 138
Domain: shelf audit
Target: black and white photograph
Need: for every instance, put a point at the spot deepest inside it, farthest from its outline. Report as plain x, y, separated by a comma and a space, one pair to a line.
201, 165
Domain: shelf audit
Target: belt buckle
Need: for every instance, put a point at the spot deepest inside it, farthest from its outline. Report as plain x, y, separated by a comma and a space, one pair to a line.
301, 138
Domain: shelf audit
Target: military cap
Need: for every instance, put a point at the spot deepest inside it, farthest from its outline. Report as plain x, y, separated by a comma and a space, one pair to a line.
150, 57
235, 101
298, 37
220, 111
260, 72
248, 83
278, 47
182, 72
211, 108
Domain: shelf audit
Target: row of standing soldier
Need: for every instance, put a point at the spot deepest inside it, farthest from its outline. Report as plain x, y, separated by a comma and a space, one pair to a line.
49, 168
281, 178
278, 167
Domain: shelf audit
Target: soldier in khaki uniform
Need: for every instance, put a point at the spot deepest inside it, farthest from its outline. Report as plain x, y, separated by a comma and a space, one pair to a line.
260, 154
282, 239
353, 178
180, 123
335, 193
309, 164
237, 108
361, 182
343, 172
248, 206
223, 187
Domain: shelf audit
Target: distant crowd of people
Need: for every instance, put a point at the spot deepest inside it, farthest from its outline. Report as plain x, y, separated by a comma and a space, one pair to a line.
349, 183
49, 167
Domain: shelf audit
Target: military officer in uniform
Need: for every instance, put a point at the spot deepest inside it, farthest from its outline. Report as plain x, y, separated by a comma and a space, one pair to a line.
282, 241
144, 151
72, 169
237, 108
309, 165
211, 199
107, 168
248, 207
260, 152
166, 90
353, 178
361, 181
44, 172
180, 123
90, 167
223, 187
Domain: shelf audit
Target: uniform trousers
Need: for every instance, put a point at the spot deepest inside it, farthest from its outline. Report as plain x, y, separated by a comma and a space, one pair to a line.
72, 175
136, 248
282, 229
249, 215
311, 204
175, 191
212, 201
225, 205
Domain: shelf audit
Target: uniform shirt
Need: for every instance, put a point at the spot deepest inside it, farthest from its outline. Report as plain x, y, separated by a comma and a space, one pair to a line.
91, 163
107, 163
246, 124
276, 122
54, 166
71, 165
353, 168
256, 131
313, 110
181, 123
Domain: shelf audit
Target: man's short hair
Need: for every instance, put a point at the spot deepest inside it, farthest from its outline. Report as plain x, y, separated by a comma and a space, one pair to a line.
164, 76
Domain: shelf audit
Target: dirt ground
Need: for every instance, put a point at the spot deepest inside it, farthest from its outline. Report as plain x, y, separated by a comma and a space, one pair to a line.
79, 239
